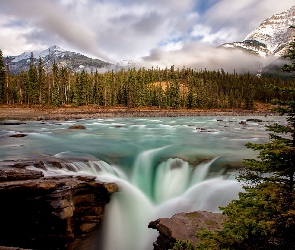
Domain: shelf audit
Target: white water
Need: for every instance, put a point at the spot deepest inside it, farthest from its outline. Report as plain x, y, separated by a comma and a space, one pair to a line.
162, 166
176, 188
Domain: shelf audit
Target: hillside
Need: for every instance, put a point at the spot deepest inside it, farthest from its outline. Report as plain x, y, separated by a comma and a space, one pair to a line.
76, 62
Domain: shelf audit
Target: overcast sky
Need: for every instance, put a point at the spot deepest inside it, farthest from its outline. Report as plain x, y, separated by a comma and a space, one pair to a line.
115, 30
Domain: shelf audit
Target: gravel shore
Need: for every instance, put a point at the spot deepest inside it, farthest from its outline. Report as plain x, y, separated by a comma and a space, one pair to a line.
16, 113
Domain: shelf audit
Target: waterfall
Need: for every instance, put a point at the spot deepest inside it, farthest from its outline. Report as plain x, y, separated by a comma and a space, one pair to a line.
126, 219
162, 166
154, 189
171, 179
144, 167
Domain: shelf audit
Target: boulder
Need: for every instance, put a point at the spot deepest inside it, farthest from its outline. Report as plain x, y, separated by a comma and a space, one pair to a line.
254, 120
39, 212
183, 226
18, 135
77, 127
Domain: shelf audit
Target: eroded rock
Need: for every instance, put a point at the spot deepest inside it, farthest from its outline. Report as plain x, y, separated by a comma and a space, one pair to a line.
183, 226
40, 212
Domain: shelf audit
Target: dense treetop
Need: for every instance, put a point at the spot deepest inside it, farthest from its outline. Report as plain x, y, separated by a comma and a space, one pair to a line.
162, 88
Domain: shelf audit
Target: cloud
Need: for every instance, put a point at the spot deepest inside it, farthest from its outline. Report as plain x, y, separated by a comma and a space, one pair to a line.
200, 56
47, 18
238, 18
114, 30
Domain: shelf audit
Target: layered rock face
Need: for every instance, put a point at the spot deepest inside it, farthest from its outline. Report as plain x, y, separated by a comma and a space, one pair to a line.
183, 226
272, 37
40, 212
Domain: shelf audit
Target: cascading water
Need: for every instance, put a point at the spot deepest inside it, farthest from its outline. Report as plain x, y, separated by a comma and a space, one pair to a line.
162, 166
175, 189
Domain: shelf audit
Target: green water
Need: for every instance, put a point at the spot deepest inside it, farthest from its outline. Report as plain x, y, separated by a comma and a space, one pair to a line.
162, 165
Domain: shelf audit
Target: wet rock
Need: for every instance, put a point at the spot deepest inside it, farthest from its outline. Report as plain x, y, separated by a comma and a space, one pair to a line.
86, 178
77, 127
18, 135
254, 120
40, 212
12, 123
183, 226
11, 174
21, 165
37, 164
242, 123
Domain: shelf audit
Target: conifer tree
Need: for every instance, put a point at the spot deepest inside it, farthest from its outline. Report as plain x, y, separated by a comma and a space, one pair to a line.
33, 89
264, 215
7, 81
2, 78
291, 55
55, 98
43, 90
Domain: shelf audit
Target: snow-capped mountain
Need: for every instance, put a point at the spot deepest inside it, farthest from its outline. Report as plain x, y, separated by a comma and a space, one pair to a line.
70, 60
271, 37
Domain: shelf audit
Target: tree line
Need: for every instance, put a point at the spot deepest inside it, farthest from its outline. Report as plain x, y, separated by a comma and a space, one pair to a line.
264, 215
135, 88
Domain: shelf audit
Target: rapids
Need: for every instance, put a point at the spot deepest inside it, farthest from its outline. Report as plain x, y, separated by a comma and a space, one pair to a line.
162, 165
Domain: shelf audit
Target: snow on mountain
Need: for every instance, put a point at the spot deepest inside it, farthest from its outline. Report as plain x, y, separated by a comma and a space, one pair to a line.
271, 37
73, 61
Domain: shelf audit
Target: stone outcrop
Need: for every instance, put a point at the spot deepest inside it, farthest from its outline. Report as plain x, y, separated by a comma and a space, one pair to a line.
77, 127
55, 212
183, 226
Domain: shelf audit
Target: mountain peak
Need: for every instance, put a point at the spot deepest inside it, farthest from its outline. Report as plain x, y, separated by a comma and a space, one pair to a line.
67, 59
54, 47
272, 37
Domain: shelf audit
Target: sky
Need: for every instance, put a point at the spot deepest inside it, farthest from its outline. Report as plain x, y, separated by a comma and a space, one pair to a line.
156, 32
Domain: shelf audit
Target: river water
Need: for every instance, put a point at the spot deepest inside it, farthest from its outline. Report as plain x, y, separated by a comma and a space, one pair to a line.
162, 165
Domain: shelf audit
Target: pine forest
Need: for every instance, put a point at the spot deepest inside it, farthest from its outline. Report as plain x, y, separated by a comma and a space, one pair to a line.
171, 88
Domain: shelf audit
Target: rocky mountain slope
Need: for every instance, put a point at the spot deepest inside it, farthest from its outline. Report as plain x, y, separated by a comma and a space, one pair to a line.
71, 60
271, 37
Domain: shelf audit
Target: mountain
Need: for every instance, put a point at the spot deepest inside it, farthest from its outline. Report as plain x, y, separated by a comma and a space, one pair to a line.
76, 62
271, 37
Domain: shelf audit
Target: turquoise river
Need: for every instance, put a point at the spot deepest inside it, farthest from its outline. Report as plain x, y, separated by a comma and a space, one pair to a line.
162, 165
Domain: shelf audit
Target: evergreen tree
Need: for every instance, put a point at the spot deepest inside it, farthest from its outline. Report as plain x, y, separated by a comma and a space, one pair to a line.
55, 98
291, 55
43, 90
264, 215
33, 88
7, 81
2, 78
174, 90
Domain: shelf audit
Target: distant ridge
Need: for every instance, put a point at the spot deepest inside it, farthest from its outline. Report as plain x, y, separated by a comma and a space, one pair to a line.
73, 61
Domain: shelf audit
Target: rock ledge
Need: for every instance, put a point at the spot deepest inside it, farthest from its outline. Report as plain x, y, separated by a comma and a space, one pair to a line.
183, 226
54, 212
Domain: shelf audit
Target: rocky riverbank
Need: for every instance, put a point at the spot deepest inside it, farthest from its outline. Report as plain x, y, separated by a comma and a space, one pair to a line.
22, 113
57, 212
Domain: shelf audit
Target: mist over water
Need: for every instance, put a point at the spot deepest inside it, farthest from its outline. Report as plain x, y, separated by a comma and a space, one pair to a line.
162, 165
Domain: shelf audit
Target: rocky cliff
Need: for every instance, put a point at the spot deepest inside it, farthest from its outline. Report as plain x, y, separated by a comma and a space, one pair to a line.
183, 226
57, 212
272, 37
